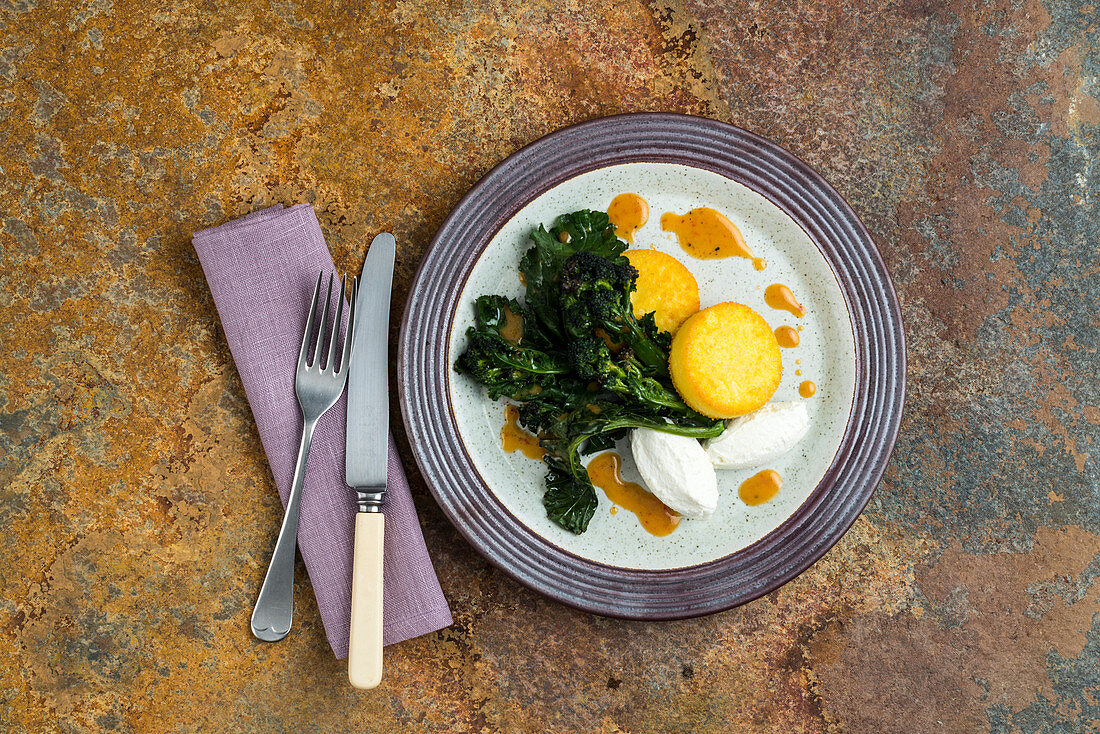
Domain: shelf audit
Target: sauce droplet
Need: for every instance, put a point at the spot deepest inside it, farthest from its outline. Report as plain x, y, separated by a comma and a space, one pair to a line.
807, 389
513, 438
522, 279
628, 212
513, 326
787, 337
708, 234
798, 373
654, 516
614, 509
780, 297
761, 487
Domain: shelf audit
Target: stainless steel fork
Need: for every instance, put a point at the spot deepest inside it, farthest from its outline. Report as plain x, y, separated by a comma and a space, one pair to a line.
318, 388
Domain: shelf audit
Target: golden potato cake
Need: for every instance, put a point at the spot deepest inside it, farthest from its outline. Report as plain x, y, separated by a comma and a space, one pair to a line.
725, 361
665, 286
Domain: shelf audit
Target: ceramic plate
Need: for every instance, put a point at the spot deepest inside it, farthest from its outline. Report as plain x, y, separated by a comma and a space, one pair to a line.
851, 347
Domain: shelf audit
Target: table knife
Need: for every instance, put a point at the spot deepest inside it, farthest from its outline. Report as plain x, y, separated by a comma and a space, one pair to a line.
367, 452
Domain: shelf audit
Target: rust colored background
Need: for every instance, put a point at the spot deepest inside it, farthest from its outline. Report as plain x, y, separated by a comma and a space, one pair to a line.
137, 510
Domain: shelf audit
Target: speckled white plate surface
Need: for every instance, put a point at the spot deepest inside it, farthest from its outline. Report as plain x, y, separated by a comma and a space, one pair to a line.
825, 355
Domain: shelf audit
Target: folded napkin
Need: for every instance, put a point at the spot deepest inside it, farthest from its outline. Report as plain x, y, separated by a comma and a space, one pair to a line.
262, 269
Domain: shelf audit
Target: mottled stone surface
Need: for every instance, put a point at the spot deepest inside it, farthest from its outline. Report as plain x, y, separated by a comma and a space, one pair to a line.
137, 511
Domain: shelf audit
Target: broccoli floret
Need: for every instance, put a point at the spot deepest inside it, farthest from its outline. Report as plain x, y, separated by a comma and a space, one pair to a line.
591, 359
586, 270
596, 294
625, 378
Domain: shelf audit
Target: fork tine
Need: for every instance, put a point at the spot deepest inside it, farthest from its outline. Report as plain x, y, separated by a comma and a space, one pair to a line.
331, 362
345, 354
309, 323
321, 326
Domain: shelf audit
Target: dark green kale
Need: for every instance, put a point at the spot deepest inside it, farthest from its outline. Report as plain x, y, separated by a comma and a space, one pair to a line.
505, 369
491, 312
570, 499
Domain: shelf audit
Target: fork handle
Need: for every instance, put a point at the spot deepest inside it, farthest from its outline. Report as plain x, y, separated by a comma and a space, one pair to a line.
274, 611
365, 645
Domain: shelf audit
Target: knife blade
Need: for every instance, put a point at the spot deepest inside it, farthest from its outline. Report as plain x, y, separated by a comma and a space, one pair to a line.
367, 452
367, 436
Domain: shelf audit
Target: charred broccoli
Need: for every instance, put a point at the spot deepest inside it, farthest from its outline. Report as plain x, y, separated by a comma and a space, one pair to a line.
591, 359
596, 295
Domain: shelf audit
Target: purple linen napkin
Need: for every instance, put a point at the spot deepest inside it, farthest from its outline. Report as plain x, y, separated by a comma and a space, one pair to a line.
262, 269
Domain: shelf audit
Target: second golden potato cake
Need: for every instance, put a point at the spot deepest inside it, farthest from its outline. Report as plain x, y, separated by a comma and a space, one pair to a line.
725, 361
665, 286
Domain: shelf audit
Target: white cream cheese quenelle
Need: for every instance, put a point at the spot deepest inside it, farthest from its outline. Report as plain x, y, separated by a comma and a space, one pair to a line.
759, 437
677, 470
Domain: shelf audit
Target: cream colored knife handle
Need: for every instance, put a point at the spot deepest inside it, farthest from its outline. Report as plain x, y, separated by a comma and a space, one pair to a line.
365, 650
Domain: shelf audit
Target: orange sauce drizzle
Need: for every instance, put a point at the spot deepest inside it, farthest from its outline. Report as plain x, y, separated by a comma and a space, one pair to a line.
807, 389
780, 297
787, 337
513, 438
707, 234
761, 487
513, 326
654, 516
613, 345
628, 212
